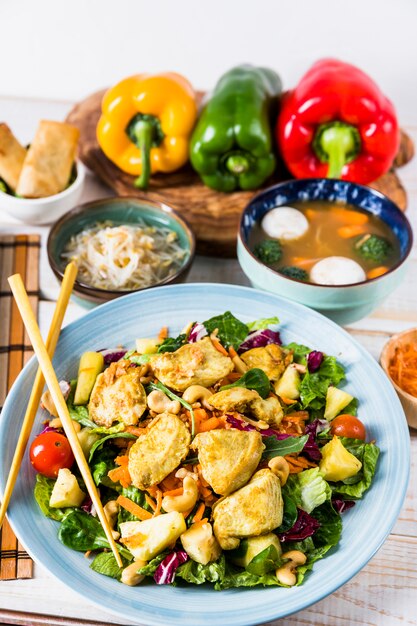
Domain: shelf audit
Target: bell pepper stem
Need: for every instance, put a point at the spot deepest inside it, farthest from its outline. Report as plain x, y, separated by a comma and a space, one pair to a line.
237, 163
336, 143
143, 132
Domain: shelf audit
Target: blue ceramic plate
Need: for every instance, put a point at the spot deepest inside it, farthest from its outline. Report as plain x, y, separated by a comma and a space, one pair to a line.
142, 314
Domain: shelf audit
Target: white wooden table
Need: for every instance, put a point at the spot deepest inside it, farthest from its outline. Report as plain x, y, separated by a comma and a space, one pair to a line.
384, 593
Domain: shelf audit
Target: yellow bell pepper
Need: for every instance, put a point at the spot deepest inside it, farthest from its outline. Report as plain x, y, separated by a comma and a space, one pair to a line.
146, 124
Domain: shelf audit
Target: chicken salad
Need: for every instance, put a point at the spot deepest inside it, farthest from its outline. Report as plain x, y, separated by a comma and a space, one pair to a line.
222, 456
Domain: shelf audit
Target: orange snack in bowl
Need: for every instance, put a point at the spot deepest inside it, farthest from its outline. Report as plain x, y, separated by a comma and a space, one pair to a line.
403, 368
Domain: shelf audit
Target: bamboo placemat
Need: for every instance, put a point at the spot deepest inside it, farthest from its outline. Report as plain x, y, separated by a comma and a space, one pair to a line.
18, 254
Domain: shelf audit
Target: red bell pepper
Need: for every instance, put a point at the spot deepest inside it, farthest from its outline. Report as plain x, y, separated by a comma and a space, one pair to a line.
337, 123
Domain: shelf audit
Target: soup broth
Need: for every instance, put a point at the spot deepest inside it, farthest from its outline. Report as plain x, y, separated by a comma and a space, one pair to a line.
334, 230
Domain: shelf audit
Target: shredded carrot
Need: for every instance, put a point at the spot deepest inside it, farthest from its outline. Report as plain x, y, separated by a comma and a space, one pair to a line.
287, 400
216, 343
347, 216
347, 232
133, 508
232, 352
297, 416
135, 430
298, 463
199, 513
174, 492
170, 482
158, 502
163, 334
210, 424
150, 502
122, 460
121, 474
377, 271
200, 522
403, 368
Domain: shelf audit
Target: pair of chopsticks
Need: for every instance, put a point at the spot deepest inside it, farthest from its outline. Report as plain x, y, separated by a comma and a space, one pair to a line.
46, 374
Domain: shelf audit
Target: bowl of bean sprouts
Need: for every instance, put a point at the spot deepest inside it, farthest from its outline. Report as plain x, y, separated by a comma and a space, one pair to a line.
121, 245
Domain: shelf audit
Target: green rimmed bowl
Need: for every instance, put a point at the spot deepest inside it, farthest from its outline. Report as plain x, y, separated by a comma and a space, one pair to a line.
118, 211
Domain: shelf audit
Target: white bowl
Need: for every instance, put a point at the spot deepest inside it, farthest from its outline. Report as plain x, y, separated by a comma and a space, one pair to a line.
44, 210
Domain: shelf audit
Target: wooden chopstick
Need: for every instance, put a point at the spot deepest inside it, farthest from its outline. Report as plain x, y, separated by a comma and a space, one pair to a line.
35, 396
45, 364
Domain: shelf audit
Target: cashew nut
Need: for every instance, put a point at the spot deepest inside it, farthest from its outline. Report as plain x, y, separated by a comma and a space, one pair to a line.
48, 404
186, 501
111, 509
280, 467
182, 473
56, 423
129, 574
158, 402
197, 393
287, 573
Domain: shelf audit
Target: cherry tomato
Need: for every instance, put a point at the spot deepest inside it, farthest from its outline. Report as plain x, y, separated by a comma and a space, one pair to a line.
348, 426
51, 452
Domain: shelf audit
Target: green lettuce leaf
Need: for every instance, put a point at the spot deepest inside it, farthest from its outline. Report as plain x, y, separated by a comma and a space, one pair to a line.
255, 379
81, 531
137, 496
150, 568
307, 489
262, 323
231, 331
139, 359
100, 443
265, 562
105, 563
313, 388
171, 344
290, 514
299, 352
78, 413
102, 463
281, 447
42, 492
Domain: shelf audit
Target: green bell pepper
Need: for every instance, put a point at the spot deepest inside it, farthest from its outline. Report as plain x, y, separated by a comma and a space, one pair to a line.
232, 146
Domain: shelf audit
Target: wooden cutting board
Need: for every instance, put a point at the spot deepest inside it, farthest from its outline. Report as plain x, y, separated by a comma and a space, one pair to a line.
214, 216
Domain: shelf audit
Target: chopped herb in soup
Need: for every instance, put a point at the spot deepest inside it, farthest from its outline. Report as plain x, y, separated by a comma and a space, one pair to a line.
325, 243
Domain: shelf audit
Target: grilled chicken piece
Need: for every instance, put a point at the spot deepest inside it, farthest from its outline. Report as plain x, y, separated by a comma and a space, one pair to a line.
271, 359
117, 396
248, 401
253, 510
159, 451
193, 364
228, 458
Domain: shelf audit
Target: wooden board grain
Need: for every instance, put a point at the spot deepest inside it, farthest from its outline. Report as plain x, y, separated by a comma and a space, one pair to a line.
213, 216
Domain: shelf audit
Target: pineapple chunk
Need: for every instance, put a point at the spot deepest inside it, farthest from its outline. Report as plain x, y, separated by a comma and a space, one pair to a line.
146, 346
288, 386
337, 463
200, 544
252, 546
149, 538
87, 439
66, 491
91, 364
336, 401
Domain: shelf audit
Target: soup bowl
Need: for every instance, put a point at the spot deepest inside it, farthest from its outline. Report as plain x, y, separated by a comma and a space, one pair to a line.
342, 303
